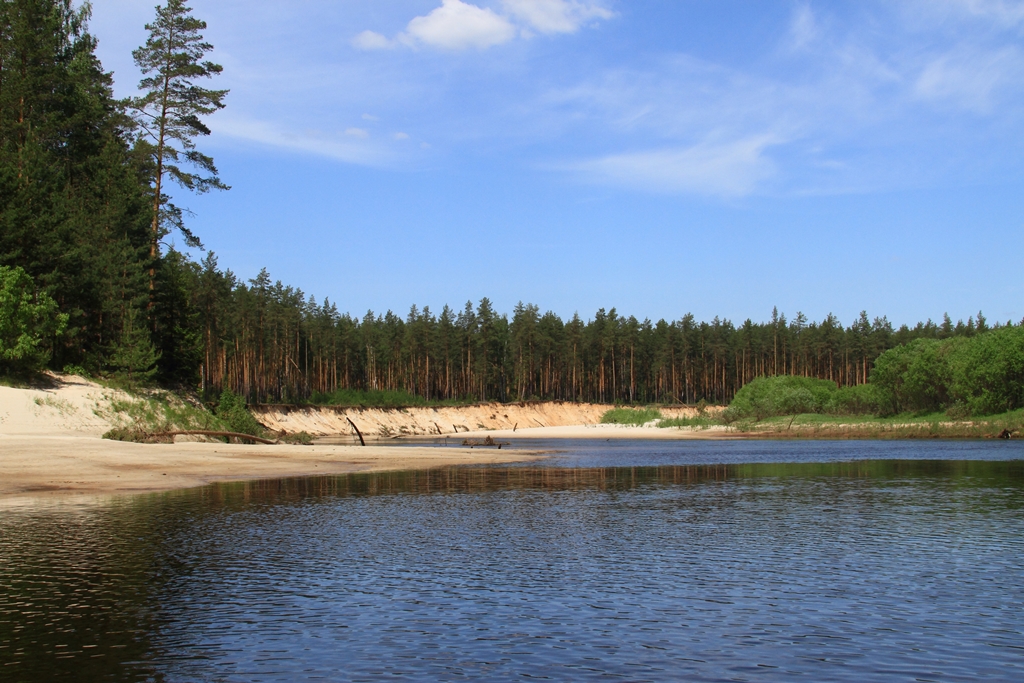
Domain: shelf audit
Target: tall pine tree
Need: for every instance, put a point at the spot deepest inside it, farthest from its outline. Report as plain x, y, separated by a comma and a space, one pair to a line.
168, 115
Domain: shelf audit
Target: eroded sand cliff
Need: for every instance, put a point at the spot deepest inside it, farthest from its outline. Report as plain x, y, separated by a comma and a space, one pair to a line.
388, 423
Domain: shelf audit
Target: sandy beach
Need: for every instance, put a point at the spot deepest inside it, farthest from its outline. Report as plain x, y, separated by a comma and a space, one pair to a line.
53, 465
599, 432
51, 445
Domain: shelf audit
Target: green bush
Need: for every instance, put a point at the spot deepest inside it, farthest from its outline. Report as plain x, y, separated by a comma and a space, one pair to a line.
782, 395
986, 373
862, 399
232, 411
299, 438
28, 320
630, 416
913, 378
980, 375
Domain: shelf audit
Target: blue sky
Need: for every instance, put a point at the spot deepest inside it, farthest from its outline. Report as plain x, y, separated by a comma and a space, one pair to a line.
718, 157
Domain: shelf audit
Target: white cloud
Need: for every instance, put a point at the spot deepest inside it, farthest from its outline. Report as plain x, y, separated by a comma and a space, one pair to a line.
457, 25
360, 133
555, 16
370, 117
401, 136
729, 169
970, 79
370, 40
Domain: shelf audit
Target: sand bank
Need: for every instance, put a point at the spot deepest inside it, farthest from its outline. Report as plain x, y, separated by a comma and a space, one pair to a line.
49, 465
50, 445
602, 432
388, 423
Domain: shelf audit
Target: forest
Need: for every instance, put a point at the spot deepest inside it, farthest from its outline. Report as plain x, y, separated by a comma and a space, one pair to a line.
90, 285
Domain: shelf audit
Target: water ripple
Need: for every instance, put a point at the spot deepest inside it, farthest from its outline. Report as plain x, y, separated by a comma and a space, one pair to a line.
841, 571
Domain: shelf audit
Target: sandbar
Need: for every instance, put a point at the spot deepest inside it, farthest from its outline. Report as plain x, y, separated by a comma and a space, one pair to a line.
62, 465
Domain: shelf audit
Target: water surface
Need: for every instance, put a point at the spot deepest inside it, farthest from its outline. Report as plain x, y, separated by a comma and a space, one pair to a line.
775, 561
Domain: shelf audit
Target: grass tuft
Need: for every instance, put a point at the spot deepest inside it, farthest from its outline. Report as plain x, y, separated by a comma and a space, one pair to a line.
631, 416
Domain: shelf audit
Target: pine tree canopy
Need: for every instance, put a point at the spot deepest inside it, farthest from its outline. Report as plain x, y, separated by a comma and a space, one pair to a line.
168, 114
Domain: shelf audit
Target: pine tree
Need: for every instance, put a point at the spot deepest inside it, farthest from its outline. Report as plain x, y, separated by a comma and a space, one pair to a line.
73, 211
133, 357
168, 115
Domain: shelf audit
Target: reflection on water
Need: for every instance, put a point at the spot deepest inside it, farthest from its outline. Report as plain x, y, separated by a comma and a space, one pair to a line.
868, 570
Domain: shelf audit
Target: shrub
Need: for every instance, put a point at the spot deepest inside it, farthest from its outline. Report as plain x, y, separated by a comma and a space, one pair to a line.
299, 438
986, 373
28, 318
231, 409
782, 395
862, 399
630, 416
980, 375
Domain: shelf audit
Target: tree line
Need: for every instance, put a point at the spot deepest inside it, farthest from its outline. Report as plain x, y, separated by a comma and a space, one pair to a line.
84, 215
271, 343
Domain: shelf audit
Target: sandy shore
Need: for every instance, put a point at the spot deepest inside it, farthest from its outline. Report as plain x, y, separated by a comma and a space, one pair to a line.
50, 443
61, 465
599, 431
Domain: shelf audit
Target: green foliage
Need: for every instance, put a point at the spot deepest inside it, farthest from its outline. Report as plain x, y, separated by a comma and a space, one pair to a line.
78, 370
782, 395
631, 416
168, 114
72, 207
369, 398
986, 372
28, 321
178, 327
137, 418
232, 411
701, 420
133, 358
913, 378
978, 375
299, 438
862, 399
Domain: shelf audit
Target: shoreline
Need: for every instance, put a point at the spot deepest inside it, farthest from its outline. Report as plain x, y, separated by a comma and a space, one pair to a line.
52, 467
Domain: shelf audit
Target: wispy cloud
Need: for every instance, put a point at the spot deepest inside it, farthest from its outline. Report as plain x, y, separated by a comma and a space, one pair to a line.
728, 169
1007, 13
970, 79
351, 146
555, 16
803, 30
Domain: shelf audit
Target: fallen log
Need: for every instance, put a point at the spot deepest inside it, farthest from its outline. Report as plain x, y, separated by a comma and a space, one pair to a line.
204, 432
487, 443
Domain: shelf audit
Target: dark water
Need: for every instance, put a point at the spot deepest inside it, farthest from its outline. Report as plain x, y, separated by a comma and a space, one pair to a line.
769, 561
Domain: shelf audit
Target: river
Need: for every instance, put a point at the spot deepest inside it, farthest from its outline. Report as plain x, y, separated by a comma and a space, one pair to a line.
611, 561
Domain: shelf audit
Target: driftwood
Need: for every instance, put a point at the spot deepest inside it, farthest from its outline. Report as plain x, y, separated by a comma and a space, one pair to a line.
358, 433
205, 432
488, 442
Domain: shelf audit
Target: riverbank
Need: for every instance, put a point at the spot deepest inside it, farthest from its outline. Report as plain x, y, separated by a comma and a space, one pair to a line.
51, 445
384, 424
61, 465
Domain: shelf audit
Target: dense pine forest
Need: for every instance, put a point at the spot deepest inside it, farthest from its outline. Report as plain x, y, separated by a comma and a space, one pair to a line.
85, 220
